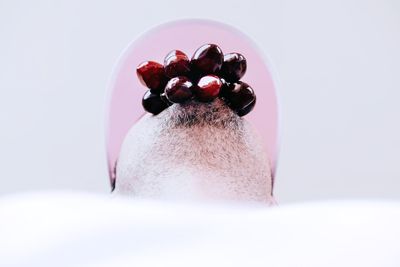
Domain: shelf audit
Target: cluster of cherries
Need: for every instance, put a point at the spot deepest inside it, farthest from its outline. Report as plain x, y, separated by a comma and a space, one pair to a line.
209, 74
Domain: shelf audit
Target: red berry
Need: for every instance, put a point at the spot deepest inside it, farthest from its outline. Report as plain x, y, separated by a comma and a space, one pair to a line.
245, 110
165, 99
240, 97
179, 89
176, 63
152, 75
234, 67
207, 59
224, 88
153, 103
208, 88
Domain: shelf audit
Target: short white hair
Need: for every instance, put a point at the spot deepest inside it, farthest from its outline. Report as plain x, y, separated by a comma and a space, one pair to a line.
194, 151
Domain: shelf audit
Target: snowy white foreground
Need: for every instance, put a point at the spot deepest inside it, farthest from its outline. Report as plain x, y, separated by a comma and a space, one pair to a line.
70, 229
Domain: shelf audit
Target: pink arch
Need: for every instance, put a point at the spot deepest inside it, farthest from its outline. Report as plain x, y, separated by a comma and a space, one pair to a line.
125, 92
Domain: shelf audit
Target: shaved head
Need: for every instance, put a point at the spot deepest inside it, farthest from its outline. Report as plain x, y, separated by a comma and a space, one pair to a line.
194, 151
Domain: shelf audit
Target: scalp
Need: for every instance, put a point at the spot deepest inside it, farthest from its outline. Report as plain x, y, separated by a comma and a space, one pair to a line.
194, 150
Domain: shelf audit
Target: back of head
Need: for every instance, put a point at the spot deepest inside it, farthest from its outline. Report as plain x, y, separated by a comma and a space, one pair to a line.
194, 151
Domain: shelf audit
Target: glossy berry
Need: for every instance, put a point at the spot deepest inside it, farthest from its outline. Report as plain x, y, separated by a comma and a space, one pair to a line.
207, 59
224, 88
176, 63
179, 89
152, 103
234, 67
240, 97
208, 88
245, 110
165, 99
151, 74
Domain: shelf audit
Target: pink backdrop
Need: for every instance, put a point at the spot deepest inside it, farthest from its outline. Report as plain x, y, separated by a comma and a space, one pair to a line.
125, 92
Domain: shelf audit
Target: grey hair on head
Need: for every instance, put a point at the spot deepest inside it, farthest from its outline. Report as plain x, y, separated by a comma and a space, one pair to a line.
214, 114
191, 151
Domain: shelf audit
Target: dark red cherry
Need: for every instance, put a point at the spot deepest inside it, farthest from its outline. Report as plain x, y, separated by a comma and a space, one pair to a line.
240, 97
207, 59
244, 111
224, 88
234, 67
179, 89
165, 99
152, 103
208, 88
176, 63
152, 75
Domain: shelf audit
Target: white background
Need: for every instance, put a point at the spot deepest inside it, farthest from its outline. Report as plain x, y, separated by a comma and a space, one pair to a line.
338, 64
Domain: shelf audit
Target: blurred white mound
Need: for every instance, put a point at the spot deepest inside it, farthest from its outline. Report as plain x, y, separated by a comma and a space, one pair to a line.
69, 229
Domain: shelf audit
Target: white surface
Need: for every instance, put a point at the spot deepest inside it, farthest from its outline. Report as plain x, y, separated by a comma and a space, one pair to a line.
338, 64
62, 229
